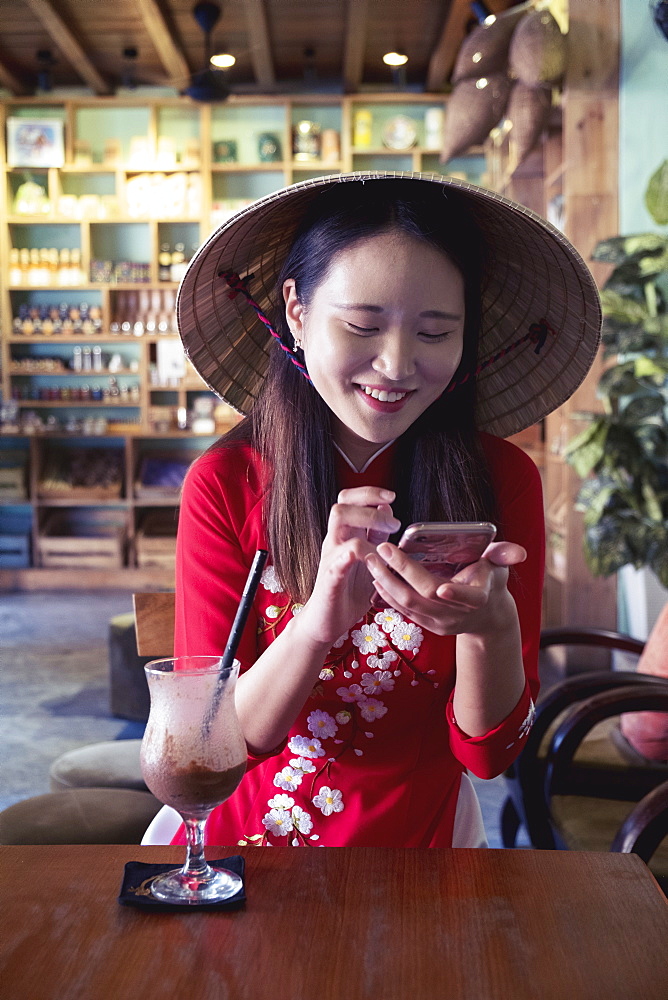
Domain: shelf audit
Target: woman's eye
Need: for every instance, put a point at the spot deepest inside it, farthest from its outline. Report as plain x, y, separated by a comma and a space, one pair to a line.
363, 329
434, 337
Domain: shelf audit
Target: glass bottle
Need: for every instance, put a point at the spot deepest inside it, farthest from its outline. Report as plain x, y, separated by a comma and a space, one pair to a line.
178, 266
164, 263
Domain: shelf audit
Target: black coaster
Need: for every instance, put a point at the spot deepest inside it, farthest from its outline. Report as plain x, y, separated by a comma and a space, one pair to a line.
136, 891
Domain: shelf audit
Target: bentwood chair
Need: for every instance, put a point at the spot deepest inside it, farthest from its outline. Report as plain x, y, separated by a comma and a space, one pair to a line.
577, 780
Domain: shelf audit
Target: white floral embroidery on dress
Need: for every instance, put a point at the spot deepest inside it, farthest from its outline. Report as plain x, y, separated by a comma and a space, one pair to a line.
302, 764
281, 802
383, 661
372, 708
388, 619
270, 581
322, 724
278, 822
407, 635
305, 747
525, 727
350, 694
328, 800
302, 820
369, 638
379, 680
289, 778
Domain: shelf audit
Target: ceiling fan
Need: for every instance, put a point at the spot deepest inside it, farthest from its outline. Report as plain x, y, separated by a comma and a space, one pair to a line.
208, 84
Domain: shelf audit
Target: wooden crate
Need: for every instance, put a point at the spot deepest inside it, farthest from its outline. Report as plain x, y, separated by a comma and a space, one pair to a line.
12, 483
160, 476
82, 540
155, 544
61, 475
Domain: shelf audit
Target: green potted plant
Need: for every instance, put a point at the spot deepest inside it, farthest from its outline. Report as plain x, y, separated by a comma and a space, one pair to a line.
622, 455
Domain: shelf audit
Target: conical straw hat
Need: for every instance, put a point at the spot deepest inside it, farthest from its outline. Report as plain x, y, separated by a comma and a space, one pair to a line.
541, 314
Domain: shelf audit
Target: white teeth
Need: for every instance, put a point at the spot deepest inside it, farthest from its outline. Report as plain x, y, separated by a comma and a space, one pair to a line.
383, 395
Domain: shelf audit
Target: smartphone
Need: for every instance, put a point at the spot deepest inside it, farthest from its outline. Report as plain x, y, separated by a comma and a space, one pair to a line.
444, 547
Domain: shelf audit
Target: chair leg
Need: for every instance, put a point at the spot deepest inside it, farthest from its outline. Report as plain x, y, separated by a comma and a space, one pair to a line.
510, 823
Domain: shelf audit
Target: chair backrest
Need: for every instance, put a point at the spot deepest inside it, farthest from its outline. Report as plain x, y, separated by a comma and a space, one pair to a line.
154, 623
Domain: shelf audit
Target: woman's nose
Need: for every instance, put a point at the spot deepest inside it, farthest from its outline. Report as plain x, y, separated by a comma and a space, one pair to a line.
395, 358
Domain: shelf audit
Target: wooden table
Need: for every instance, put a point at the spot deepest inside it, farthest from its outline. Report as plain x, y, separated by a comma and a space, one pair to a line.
339, 924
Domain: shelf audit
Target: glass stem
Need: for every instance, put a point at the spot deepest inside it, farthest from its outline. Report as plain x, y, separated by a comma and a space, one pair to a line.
196, 864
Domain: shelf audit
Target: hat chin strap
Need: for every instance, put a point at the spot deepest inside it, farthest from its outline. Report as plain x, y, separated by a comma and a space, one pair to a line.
237, 285
537, 335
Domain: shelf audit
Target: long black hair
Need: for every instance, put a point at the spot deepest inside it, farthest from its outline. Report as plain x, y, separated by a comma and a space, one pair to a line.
443, 472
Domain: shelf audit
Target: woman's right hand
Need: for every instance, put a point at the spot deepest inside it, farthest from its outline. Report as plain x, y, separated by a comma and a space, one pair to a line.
360, 519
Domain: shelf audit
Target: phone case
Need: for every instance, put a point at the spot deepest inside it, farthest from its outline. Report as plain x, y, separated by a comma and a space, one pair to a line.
446, 548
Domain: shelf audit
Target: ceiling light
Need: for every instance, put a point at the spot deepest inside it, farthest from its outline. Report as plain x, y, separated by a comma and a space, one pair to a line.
222, 60
395, 59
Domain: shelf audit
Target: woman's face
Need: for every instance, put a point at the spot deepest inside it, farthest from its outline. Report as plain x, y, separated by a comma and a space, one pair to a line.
382, 337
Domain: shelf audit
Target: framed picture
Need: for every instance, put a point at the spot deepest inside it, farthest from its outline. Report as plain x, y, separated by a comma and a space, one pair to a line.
35, 142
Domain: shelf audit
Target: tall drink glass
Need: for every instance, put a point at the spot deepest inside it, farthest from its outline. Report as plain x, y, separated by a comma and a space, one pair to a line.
193, 756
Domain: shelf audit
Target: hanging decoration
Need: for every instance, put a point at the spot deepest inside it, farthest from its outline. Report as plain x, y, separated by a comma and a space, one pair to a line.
506, 68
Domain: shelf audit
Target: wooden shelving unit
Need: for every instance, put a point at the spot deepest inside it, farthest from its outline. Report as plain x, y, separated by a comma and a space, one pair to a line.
115, 150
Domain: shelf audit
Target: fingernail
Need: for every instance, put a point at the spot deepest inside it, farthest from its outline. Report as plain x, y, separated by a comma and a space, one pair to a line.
387, 495
384, 550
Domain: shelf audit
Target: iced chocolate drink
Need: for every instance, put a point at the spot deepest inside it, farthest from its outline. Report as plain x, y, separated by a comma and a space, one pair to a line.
192, 758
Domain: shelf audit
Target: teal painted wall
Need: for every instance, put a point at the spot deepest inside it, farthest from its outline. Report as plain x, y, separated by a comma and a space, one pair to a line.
643, 111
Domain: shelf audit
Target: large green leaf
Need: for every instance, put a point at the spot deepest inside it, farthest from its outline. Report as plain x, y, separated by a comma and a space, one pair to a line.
587, 449
623, 309
623, 249
656, 195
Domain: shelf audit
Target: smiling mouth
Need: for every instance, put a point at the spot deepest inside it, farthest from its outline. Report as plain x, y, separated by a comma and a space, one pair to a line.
384, 395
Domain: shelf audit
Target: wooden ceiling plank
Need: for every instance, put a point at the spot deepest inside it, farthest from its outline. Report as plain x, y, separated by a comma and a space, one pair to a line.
170, 53
68, 45
354, 45
260, 45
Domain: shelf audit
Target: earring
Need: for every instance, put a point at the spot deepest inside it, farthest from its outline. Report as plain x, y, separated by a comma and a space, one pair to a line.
297, 343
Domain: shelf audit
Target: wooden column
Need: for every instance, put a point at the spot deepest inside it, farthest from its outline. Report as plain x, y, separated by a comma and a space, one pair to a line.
590, 144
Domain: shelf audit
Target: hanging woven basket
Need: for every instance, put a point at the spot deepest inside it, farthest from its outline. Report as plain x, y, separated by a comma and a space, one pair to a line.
485, 49
474, 108
528, 111
537, 52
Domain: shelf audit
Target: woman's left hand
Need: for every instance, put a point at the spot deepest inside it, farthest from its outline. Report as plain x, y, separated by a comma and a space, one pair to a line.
476, 600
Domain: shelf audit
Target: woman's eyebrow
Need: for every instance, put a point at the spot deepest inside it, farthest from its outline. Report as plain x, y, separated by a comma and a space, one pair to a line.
427, 314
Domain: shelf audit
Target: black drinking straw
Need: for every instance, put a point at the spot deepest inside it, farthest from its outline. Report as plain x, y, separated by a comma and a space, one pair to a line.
238, 624
247, 599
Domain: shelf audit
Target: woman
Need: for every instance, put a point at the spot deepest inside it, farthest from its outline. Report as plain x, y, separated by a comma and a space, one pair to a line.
419, 314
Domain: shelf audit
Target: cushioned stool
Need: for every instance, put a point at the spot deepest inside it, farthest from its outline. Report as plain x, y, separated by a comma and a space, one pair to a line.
114, 764
128, 687
79, 816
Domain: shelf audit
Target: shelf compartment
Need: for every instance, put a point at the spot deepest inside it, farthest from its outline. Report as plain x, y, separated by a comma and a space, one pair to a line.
155, 541
83, 538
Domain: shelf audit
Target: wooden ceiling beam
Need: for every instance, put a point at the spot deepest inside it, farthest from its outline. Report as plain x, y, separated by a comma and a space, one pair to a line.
260, 45
9, 80
354, 45
443, 57
68, 45
169, 51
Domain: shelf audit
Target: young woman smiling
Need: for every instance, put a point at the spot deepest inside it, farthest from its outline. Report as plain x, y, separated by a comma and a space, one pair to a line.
416, 321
